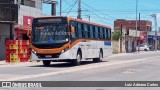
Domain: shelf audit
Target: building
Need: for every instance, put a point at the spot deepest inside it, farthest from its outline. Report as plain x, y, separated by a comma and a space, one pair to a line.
16, 15
143, 26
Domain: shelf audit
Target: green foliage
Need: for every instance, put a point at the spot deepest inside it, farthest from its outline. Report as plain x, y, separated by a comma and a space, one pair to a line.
116, 35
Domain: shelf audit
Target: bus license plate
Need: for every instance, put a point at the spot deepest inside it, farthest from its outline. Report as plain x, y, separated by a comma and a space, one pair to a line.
48, 56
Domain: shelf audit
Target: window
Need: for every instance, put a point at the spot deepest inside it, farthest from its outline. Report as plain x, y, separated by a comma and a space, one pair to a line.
105, 33
101, 34
89, 35
28, 3
96, 32
109, 34
82, 30
91, 32
75, 34
22, 2
86, 31
79, 30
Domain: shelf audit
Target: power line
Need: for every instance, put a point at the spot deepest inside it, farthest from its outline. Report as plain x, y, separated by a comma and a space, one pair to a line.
72, 7
97, 10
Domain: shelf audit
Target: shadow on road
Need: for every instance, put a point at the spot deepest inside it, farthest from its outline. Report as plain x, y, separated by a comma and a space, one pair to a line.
66, 64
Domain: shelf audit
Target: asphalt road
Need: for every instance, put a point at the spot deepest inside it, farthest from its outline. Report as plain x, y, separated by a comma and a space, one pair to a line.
123, 67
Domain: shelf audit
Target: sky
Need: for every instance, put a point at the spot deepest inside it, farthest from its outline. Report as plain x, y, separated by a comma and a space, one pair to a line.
106, 11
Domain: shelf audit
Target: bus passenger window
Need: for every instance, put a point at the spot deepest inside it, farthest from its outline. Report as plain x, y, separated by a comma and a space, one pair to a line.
101, 33
83, 31
109, 34
79, 31
96, 32
86, 31
105, 33
91, 32
89, 36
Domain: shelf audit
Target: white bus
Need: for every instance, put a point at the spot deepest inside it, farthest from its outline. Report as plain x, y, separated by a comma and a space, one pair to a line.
70, 40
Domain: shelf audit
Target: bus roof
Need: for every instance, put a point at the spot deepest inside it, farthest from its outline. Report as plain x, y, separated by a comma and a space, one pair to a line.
79, 20
88, 22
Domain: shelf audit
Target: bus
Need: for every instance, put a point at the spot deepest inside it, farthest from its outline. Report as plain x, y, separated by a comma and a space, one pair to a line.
66, 39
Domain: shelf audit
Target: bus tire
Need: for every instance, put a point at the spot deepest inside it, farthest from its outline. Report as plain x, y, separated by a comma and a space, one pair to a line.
77, 61
46, 63
100, 57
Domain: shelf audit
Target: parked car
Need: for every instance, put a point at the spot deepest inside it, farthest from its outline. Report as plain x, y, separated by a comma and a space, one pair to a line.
143, 47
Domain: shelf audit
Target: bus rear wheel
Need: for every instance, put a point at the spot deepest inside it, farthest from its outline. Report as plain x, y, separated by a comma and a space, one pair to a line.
100, 57
46, 63
77, 61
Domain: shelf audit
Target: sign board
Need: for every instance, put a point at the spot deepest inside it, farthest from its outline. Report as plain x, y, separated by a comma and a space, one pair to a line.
133, 33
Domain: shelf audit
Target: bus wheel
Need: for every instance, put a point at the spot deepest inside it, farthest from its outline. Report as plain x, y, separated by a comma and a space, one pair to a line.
77, 61
100, 57
46, 63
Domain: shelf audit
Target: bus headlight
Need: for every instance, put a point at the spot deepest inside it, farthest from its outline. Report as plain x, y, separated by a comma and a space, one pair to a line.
64, 50
34, 51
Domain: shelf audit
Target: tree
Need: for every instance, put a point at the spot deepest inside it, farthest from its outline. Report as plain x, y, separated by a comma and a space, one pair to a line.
116, 35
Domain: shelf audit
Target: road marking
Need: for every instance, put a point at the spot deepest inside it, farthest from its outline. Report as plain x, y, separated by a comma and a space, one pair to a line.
78, 68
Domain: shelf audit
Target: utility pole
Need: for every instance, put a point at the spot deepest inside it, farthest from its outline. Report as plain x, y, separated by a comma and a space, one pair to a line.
155, 20
136, 24
139, 28
60, 7
89, 17
79, 9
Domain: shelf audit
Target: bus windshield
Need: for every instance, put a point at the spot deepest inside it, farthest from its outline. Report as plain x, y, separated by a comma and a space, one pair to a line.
49, 33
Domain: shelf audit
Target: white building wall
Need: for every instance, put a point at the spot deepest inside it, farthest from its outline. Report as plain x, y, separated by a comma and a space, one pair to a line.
28, 11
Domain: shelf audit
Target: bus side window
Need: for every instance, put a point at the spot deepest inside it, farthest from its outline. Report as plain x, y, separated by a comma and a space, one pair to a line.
109, 34
86, 31
82, 30
101, 33
73, 25
91, 32
105, 33
96, 32
79, 30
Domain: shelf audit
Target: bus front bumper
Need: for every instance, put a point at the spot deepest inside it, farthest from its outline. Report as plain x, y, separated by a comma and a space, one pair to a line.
62, 56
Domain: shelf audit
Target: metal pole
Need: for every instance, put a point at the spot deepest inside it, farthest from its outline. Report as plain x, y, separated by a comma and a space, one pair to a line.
89, 17
139, 27
60, 7
156, 32
79, 9
136, 23
155, 19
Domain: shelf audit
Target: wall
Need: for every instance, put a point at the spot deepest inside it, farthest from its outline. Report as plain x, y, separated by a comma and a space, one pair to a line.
145, 25
28, 11
4, 33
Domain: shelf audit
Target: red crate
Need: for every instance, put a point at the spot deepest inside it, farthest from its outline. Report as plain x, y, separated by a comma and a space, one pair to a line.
25, 46
7, 59
8, 42
13, 42
20, 55
7, 47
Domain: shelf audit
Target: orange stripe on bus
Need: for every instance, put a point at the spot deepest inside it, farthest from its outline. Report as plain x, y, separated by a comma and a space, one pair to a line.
50, 51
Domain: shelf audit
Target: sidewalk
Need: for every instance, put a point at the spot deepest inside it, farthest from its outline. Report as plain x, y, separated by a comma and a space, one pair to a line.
132, 53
